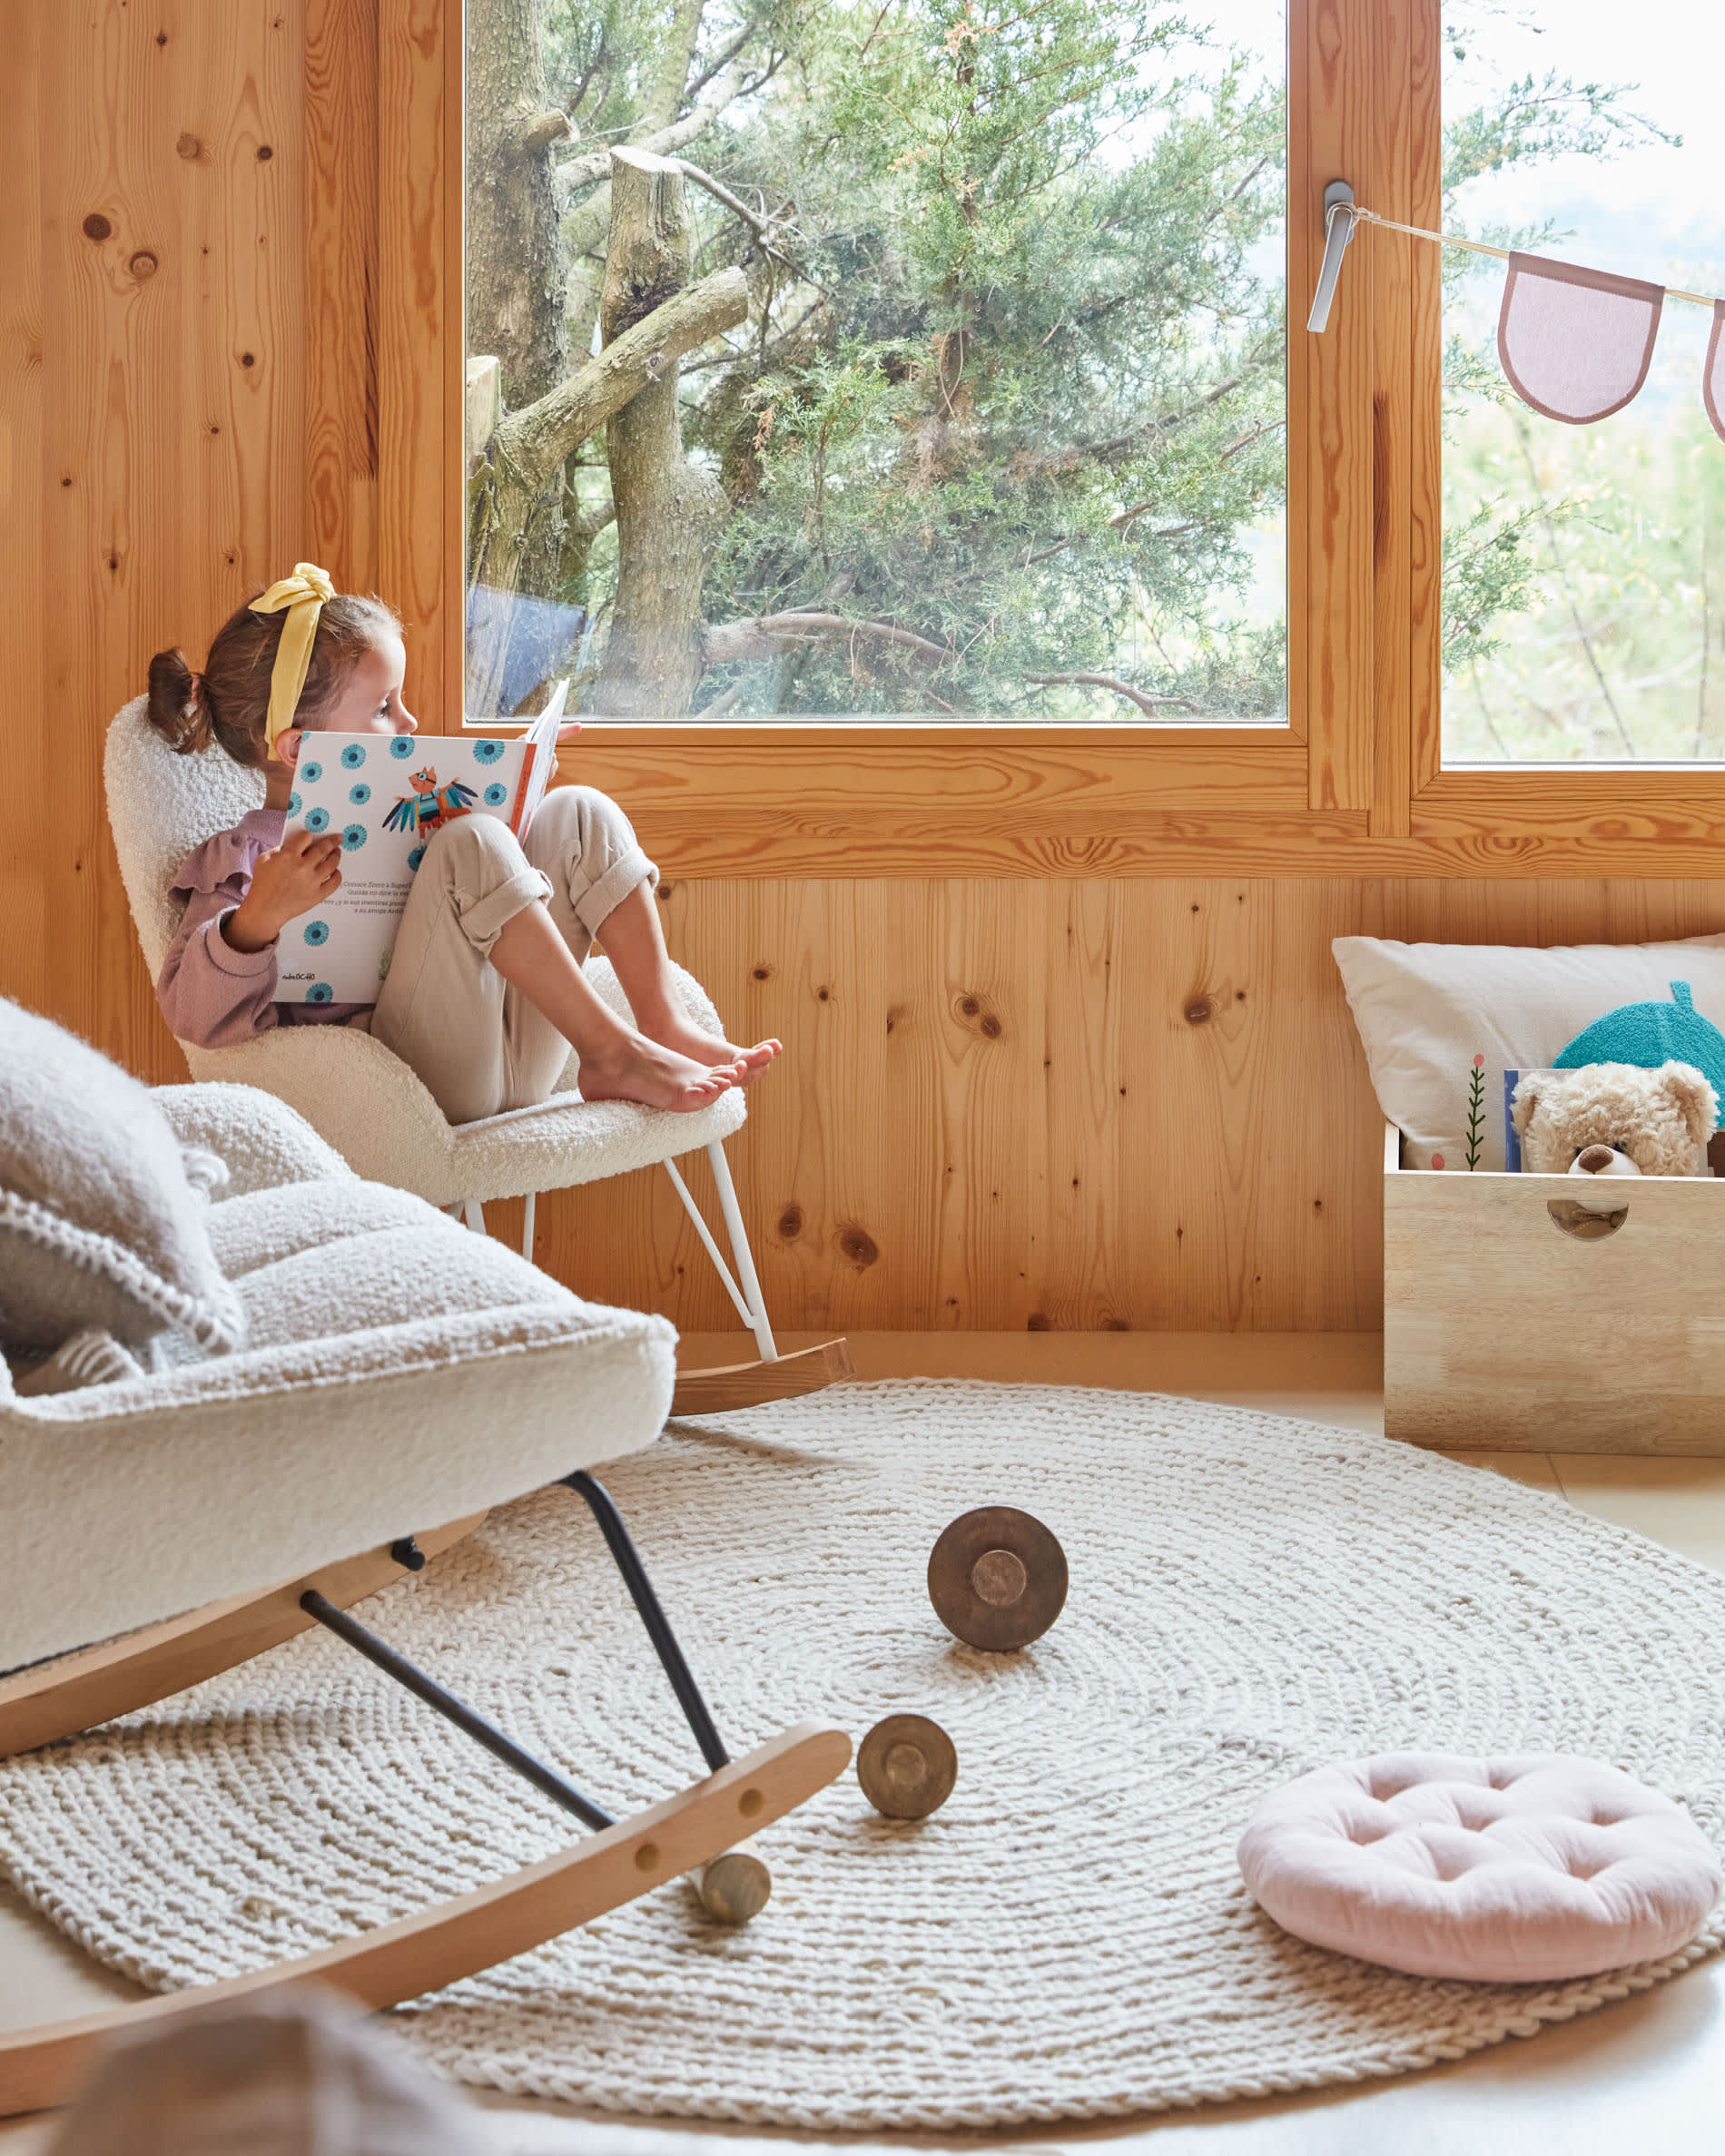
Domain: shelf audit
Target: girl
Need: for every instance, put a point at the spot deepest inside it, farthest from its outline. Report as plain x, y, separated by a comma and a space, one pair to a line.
486, 994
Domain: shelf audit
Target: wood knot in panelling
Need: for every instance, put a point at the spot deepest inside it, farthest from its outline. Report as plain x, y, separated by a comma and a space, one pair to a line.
1198, 1011
1037, 1323
144, 264
858, 1245
761, 973
96, 226
973, 1011
791, 1223
190, 148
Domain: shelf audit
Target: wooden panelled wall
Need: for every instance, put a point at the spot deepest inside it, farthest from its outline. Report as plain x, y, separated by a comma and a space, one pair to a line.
1074, 1102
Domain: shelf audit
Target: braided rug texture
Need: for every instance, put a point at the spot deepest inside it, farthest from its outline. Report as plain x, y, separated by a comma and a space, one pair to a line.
1068, 1937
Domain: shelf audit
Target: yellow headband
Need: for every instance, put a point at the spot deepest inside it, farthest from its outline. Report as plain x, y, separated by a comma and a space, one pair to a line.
303, 595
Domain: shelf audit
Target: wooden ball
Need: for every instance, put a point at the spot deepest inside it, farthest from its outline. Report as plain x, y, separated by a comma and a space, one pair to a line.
997, 1578
736, 1885
907, 1766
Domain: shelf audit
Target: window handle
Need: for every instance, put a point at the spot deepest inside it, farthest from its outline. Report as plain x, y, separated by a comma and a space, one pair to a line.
1338, 229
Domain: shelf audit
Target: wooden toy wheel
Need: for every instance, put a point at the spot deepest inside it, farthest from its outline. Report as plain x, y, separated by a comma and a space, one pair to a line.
907, 1766
997, 1578
734, 1888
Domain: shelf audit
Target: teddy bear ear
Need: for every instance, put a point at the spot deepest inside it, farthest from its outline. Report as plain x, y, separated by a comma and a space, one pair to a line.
1525, 1099
1696, 1100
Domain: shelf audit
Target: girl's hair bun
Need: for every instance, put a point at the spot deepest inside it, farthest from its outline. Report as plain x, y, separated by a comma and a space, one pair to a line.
177, 708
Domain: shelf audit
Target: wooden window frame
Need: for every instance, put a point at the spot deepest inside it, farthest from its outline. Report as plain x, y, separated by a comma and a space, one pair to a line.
1353, 785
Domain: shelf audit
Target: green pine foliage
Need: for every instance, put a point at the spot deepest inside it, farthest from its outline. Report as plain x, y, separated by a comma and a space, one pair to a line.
1014, 379
1013, 375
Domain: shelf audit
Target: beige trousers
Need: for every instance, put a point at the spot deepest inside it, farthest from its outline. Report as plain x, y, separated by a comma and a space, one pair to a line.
478, 1045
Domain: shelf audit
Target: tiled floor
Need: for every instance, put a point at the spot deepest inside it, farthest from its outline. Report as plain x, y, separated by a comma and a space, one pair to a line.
1647, 2076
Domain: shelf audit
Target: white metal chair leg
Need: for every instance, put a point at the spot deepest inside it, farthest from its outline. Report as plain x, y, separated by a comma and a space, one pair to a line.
739, 1235
472, 1211
746, 1300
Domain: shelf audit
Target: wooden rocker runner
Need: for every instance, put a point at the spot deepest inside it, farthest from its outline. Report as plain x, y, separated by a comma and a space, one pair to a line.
617, 1861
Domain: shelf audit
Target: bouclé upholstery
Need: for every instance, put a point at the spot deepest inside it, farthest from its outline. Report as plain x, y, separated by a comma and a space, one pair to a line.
403, 1372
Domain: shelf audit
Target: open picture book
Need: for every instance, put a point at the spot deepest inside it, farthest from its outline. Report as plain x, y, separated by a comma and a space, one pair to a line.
385, 794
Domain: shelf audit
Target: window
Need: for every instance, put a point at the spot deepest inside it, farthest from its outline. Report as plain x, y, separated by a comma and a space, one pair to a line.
1584, 566
916, 360
834, 689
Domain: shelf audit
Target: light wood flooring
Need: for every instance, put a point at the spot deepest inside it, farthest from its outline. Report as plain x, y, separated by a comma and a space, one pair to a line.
1647, 2076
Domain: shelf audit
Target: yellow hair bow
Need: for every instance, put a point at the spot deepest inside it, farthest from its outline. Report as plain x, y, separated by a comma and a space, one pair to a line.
303, 596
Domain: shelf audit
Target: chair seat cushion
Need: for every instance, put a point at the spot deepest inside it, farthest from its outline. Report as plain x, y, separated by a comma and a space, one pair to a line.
315, 1261
1504, 1871
401, 1372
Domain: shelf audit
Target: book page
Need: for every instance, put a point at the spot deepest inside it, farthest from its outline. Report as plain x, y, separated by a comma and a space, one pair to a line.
542, 748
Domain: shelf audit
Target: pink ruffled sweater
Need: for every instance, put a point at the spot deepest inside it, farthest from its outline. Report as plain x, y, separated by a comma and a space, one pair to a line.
211, 994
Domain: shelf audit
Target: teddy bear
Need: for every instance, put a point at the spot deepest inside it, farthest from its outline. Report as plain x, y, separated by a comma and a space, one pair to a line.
1615, 1119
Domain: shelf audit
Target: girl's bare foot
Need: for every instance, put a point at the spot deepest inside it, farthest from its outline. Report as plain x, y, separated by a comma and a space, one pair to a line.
648, 1072
683, 1036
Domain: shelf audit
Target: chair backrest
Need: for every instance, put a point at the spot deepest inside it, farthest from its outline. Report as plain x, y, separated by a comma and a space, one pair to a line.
161, 805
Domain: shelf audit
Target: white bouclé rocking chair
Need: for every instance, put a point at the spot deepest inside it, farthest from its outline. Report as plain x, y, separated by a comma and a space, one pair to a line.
162, 1527
372, 1109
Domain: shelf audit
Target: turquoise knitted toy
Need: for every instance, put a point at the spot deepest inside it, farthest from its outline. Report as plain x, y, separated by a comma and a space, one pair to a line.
1649, 1034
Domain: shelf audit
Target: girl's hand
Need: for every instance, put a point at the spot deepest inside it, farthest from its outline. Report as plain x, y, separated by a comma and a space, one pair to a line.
301, 872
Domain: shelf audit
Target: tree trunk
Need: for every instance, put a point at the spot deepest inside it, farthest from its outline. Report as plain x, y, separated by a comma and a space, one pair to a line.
515, 268
530, 447
669, 515
587, 227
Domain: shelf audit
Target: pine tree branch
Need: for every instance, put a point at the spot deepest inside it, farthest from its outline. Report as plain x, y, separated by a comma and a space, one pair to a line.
663, 142
764, 637
531, 444
764, 228
1147, 702
540, 132
721, 59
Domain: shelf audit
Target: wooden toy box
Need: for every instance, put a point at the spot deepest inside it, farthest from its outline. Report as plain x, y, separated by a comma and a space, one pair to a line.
1513, 1321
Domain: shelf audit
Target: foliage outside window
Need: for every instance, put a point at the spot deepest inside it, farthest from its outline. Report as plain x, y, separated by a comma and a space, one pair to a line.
915, 359
1583, 567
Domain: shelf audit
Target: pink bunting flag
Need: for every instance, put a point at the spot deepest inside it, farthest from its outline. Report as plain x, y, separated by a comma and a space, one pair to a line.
1713, 372
1576, 344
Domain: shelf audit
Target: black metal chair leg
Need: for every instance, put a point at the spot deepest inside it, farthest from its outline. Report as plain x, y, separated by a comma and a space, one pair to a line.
408, 1674
664, 1640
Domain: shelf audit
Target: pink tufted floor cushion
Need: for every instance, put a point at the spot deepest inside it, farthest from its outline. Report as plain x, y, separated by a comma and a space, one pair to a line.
1505, 1871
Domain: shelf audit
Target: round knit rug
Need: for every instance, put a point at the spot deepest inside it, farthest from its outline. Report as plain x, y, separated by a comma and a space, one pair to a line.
1068, 1937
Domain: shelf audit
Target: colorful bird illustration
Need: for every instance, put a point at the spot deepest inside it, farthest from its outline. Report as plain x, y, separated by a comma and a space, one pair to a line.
430, 806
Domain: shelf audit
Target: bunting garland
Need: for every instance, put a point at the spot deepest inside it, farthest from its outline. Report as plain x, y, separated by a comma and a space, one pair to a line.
1713, 372
1575, 344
